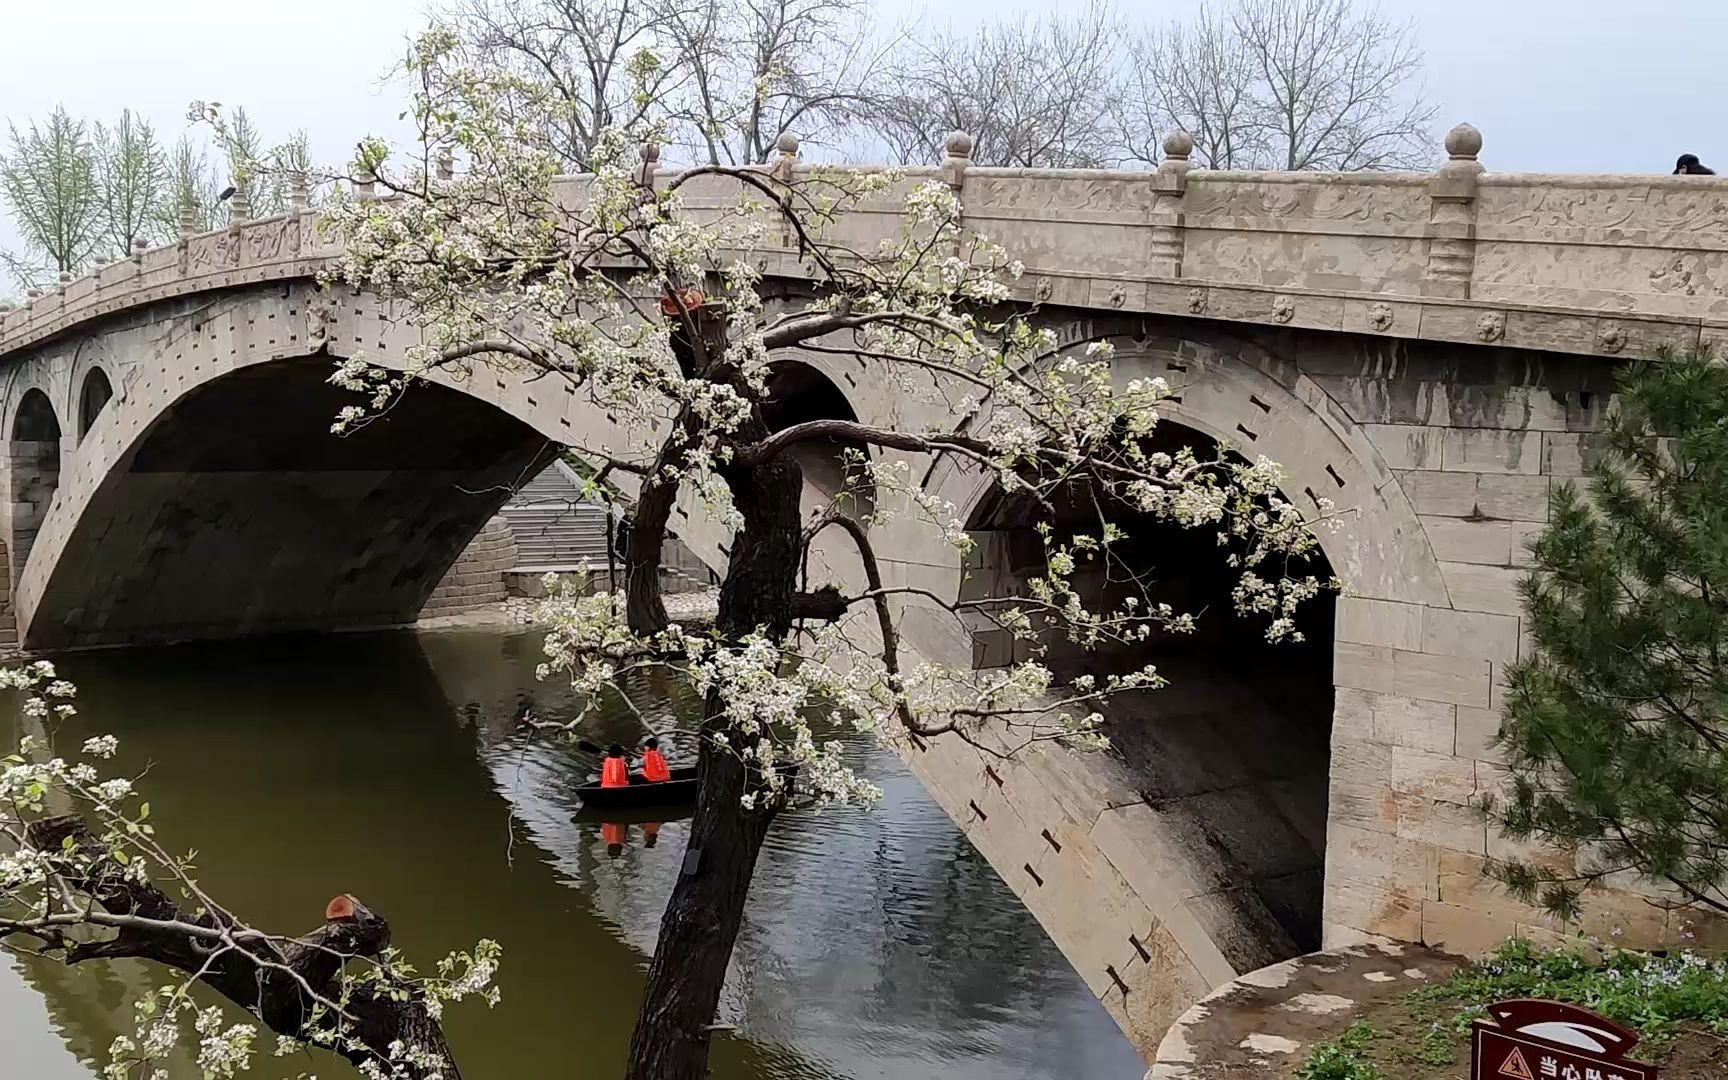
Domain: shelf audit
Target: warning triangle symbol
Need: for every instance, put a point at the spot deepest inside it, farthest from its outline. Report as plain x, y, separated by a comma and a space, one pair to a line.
1515, 1067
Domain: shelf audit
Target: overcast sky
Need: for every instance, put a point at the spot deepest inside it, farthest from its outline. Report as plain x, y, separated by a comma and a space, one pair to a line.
1554, 85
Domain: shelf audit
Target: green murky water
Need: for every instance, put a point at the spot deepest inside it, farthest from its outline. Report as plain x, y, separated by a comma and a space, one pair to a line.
878, 944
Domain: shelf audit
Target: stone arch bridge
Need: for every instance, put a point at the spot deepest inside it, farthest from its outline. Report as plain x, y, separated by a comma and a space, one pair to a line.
1429, 351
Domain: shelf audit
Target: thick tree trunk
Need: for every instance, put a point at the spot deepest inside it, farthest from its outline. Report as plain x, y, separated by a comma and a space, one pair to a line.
702, 917
644, 610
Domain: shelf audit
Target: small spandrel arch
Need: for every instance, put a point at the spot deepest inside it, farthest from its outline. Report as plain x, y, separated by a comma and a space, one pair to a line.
92, 399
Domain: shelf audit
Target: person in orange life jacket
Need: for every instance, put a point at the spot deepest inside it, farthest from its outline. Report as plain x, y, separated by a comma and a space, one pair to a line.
654, 768
614, 770
613, 834
650, 833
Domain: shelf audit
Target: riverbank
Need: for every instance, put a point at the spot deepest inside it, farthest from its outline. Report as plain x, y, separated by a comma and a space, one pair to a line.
1384, 1011
685, 607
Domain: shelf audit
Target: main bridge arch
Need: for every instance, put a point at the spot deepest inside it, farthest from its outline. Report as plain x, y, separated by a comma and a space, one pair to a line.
205, 496
1161, 885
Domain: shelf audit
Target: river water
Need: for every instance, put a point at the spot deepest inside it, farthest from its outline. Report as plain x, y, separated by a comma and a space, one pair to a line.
877, 944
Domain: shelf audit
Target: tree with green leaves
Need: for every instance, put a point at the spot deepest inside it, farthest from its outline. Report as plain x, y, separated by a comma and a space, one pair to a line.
133, 177
1616, 726
48, 179
192, 185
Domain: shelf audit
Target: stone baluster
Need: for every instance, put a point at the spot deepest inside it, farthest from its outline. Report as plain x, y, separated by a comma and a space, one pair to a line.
239, 204
953, 172
1169, 189
650, 162
959, 147
188, 219
103, 259
139, 247
65, 280
1452, 217
787, 145
781, 170
31, 295
298, 194
365, 187
446, 165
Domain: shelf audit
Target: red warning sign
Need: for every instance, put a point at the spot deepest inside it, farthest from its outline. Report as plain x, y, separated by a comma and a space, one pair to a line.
1515, 1067
1550, 1040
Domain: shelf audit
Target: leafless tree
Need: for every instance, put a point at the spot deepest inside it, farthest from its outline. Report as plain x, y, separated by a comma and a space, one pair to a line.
1280, 84
1199, 77
1338, 84
600, 56
755, 69
1031, 92
728, 76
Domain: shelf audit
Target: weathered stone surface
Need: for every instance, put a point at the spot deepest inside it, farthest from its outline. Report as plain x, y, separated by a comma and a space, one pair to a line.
1428, 375
1264, 1022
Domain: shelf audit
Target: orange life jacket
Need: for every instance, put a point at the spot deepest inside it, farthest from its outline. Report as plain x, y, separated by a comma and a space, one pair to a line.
614, 773
654, 766
612, 833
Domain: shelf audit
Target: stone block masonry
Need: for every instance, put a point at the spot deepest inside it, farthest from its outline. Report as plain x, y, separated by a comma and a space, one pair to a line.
478, 577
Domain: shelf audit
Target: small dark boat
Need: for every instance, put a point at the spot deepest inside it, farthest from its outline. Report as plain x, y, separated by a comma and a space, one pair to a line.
678, 791
636, 815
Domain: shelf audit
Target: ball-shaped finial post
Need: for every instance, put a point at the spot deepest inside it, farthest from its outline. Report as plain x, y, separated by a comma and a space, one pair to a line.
32, 293
650, 153
6, 306
446, 164
959, 144
787, 144
139, 247
1178, 145
65, 279
1463, 143
103, 259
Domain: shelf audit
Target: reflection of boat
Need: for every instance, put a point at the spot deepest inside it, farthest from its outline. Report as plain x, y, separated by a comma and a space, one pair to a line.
678, 791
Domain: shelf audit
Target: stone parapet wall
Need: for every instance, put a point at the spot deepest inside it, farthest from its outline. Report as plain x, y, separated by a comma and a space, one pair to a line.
1606, 265
478, 577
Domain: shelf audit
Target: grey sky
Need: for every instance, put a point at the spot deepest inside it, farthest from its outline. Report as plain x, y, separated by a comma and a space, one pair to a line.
1554, 85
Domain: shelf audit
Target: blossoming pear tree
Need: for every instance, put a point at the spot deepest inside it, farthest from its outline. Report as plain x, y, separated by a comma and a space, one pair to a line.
653, 307
84, 878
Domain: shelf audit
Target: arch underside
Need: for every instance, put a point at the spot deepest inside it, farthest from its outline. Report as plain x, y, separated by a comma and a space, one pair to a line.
238, 513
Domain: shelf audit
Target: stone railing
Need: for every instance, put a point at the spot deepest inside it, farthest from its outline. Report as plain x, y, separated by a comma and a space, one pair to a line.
1584, 264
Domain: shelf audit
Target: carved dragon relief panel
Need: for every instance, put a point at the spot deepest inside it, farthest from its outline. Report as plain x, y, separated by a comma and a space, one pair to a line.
1368, 204
1603, 207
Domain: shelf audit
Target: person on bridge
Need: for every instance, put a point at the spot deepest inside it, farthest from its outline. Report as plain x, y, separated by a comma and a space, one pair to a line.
1689, 165
654, 768
614, 770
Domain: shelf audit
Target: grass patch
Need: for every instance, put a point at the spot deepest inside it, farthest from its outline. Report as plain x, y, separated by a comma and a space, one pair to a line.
1341, 1058
1678, 1003
1651, 993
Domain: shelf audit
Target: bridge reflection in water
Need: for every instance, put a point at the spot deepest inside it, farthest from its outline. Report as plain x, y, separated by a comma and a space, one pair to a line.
879, 944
